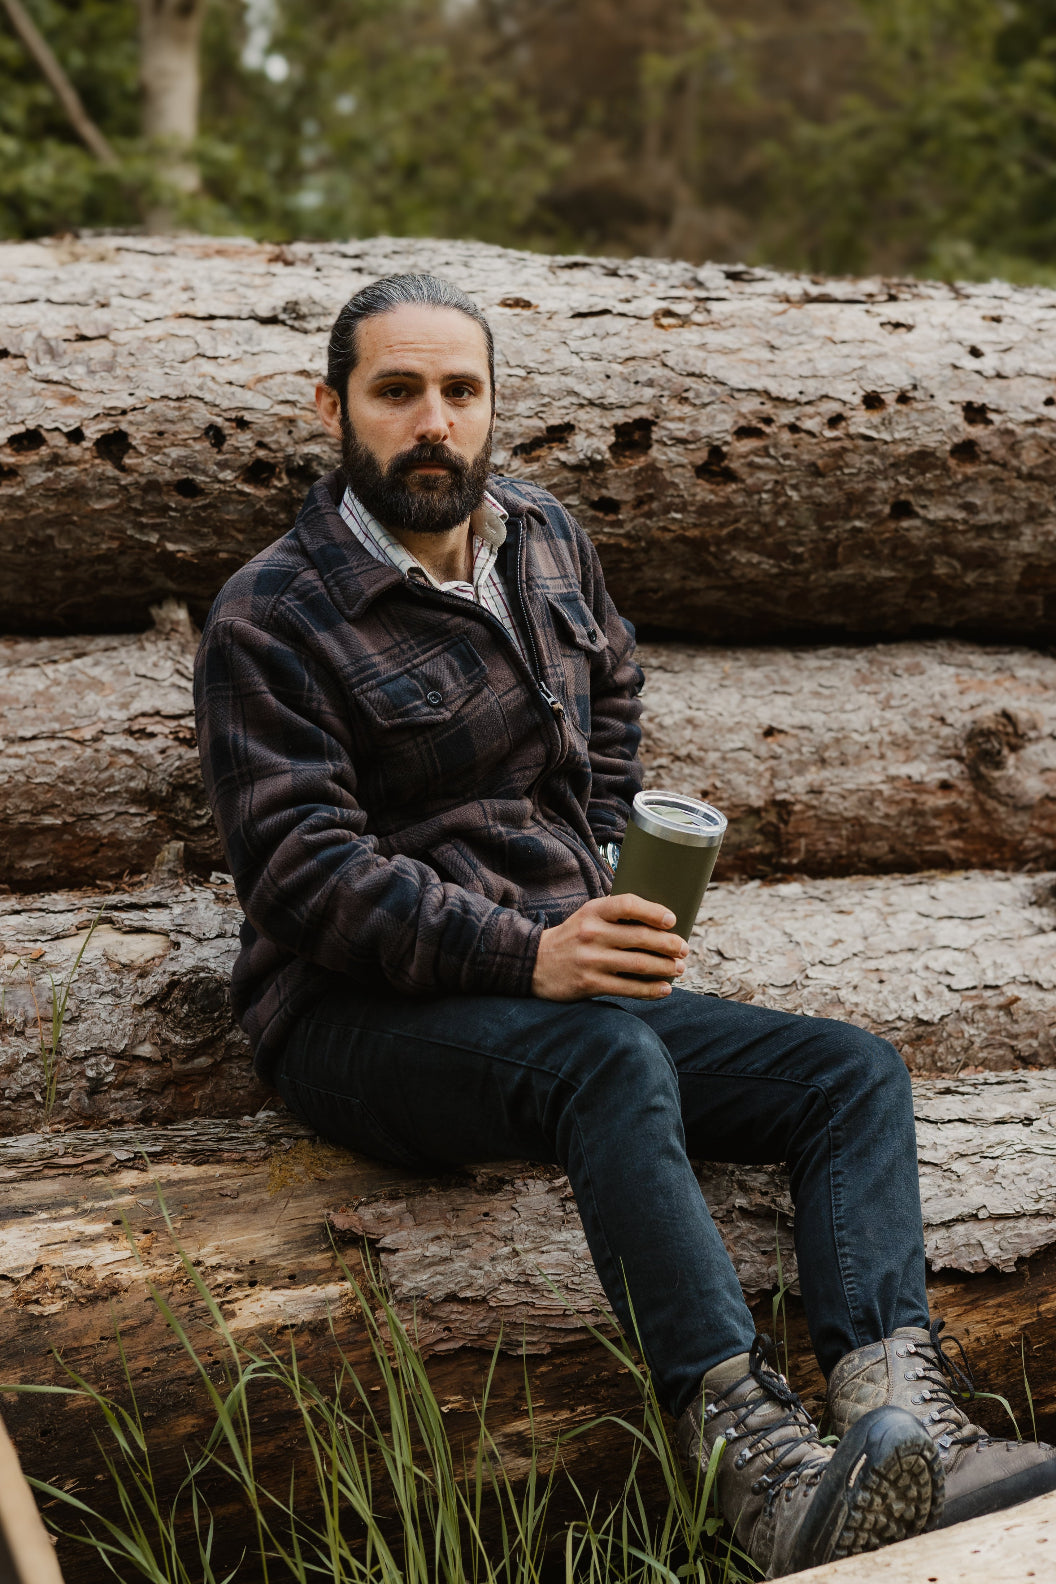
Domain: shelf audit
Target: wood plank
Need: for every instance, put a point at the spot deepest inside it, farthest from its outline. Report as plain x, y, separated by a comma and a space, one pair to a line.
1018, 1544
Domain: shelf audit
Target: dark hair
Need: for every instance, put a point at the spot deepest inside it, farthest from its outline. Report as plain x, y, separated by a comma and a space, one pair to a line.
382, 296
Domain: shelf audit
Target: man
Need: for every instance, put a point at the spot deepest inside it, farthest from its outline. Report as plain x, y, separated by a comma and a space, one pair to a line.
418, 718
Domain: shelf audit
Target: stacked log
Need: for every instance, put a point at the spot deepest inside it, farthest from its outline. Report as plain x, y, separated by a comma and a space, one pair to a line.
758, 457
827, 761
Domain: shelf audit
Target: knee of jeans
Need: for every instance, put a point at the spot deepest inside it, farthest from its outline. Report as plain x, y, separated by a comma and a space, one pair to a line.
623, 1055
870, 1063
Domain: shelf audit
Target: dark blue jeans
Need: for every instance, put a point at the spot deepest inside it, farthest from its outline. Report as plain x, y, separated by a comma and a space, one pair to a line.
620, 1093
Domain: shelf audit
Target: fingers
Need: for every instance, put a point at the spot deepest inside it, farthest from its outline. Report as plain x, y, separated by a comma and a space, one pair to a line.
630, 906
649, 989
623, 937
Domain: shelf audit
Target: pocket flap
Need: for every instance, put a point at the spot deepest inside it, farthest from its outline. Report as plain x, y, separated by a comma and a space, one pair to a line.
431, 688
576, 621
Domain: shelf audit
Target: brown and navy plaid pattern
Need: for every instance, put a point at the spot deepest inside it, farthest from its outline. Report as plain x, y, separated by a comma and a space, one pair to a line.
402, 797
485, 586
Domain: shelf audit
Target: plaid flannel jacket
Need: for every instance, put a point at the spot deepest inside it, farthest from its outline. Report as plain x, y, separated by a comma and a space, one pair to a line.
401, 798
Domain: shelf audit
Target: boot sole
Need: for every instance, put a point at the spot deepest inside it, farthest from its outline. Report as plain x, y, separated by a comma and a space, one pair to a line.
884, 1483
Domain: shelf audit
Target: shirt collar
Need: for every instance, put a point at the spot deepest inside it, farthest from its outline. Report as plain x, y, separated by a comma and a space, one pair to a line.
487, 523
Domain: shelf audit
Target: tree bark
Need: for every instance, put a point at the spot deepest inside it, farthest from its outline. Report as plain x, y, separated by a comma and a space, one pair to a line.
169, 32
850, 761
98, 766
756, 455
957, 970
827, 761
464, 1258
147, 1033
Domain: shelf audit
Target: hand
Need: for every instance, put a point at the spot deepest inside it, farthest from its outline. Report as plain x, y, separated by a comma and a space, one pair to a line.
589, 953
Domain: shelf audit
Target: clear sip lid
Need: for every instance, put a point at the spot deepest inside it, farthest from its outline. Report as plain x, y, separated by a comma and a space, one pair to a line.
675, 817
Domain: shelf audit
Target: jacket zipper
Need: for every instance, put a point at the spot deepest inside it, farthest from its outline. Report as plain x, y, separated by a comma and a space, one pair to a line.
555, 708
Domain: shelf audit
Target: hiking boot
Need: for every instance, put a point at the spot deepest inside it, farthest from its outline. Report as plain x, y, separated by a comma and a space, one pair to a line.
910, 1370
792, 1502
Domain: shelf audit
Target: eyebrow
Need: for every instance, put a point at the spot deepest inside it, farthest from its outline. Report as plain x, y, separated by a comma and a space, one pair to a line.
416, 374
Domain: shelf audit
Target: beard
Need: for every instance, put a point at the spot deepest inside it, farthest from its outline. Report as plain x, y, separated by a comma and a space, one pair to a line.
432, 503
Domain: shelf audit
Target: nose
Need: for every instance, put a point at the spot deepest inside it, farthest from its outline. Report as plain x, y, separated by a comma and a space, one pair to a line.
432, 426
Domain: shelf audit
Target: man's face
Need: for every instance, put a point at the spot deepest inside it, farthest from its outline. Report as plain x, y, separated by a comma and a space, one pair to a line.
416, 433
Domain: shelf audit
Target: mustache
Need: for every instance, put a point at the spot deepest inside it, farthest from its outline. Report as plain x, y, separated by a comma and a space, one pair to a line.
427, 455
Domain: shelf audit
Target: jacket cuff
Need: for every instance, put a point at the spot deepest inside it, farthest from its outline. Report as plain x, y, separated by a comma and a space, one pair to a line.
505, 964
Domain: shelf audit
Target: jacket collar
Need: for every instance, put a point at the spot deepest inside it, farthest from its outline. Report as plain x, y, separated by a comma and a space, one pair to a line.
354, 578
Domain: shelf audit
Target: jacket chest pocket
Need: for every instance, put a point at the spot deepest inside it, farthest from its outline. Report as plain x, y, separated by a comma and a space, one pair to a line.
429, 725
581, 641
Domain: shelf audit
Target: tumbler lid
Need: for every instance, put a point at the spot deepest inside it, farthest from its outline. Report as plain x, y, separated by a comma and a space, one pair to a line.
687, 821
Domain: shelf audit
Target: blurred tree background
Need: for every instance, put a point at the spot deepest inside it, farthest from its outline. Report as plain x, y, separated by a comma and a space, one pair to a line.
908, 136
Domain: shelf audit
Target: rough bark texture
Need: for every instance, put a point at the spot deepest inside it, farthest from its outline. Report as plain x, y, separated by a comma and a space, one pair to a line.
956, 969
959, 970
755, 454
896, 757
98, 766
248, 1204
147, 1033
850, 761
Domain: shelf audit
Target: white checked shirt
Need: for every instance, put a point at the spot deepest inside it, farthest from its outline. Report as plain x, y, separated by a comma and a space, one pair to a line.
487, 588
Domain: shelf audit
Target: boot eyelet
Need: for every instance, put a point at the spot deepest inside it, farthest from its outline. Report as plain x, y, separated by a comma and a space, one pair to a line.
919, 1397
900, 1352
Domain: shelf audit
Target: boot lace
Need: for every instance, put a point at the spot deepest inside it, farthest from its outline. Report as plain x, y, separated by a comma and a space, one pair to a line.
789, 1441
948, 1423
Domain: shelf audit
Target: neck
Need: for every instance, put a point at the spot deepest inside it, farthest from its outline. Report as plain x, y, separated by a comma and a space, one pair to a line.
447, 557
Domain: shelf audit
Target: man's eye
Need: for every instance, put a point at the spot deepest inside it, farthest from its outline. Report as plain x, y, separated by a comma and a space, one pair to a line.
394, 392
461, 392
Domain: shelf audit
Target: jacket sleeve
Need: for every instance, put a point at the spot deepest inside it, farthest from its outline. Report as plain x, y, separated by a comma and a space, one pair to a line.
615, 709
278, 767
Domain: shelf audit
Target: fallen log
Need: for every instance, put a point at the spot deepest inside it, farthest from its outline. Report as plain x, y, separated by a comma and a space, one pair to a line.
891, 758
144, 1029
98, 765
756, 454
470, 1261
852, 761
957, 970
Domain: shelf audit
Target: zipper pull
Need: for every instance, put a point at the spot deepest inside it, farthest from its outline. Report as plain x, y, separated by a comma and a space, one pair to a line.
554, 703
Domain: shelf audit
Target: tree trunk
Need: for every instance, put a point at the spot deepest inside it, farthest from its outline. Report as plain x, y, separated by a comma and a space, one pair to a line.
755, 454
957, 970
892, 758
169, 31
98, 766
465, 1257
147, 1033
851, 761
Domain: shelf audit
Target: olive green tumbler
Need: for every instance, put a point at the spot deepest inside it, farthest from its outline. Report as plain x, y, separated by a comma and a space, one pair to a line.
669, 852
